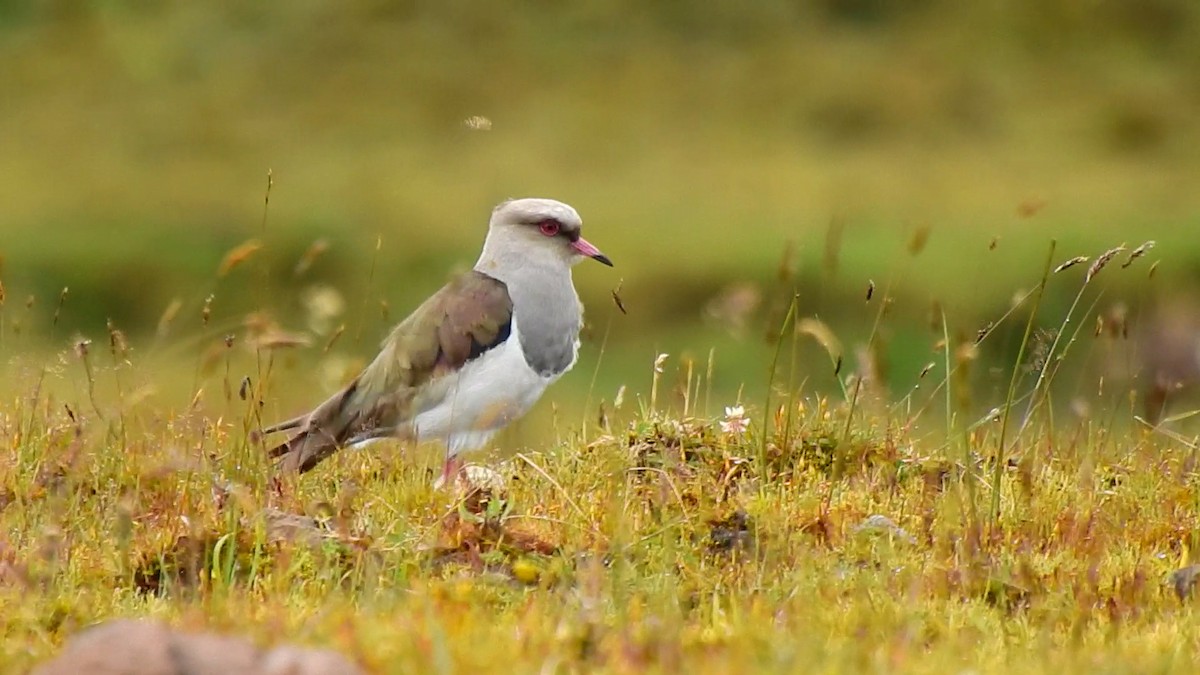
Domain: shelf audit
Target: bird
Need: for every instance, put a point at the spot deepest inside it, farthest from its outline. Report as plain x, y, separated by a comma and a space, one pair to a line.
470, 359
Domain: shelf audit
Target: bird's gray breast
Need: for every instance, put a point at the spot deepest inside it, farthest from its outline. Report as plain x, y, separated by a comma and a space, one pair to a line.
548, 316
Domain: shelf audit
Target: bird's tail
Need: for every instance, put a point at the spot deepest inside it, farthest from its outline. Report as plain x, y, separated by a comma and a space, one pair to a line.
329, 427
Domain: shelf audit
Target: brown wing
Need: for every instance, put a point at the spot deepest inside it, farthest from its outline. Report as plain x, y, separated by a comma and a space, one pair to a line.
466, 318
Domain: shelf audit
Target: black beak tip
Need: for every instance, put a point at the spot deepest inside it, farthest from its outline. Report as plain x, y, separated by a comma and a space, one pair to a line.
601, 258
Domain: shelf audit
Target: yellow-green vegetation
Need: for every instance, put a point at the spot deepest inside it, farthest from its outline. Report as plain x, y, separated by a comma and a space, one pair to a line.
696, 138
798, 532
841, 406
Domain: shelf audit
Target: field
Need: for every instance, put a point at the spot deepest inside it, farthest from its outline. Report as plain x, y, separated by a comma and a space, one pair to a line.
806, 532
867, 389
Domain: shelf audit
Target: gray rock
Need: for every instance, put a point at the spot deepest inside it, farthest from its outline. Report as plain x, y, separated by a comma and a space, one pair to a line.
137, 647
1184, 581
881, 524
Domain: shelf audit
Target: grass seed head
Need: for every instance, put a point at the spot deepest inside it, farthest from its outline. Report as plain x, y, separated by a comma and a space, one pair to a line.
62, 300
117, 342
1101, 261
81, 347
616, 296
819, 331
1138, 252
1077, 260
983, 332
478, 123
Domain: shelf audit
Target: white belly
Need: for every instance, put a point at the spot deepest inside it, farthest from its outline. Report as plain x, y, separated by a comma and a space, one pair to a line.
483, 397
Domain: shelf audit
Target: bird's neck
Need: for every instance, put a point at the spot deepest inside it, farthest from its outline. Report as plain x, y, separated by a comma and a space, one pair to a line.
546, 308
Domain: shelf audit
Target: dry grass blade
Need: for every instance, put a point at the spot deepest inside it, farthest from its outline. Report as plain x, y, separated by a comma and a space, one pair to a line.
280, 339
833, 245
333, 338
310, 256
1031, 207
238, 255
566, 495
168, 316
787, 261
920, 237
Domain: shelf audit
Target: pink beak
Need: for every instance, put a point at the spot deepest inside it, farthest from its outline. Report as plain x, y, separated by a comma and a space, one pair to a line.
584, 247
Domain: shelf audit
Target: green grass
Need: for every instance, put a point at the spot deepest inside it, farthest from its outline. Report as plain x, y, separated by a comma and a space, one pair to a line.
707, 146
652, 540
698, 142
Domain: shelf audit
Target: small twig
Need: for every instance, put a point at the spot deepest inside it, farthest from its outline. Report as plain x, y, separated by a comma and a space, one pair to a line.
566, 495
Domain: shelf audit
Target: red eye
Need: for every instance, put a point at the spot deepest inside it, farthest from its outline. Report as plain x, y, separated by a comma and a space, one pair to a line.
549, 227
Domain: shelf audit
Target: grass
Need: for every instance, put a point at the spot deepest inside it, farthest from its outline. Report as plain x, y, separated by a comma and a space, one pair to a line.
833, 534
969, 491
725, 142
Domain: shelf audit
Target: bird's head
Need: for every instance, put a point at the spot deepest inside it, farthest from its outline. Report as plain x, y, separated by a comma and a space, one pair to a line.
538, 227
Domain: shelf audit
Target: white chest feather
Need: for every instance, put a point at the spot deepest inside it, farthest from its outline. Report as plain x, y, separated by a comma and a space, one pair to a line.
484, 396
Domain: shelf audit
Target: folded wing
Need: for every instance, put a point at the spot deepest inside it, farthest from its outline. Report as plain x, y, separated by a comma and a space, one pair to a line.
465, 319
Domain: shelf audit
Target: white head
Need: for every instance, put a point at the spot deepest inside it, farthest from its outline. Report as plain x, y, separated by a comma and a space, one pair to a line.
535, 231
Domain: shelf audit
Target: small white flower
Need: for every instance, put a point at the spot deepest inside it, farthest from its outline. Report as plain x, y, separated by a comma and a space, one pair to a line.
735, 421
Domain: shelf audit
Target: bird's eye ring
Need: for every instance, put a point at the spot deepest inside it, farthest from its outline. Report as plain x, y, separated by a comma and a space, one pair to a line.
549, 227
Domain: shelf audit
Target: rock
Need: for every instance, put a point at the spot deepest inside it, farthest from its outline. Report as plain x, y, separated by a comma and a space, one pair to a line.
733, 533
481, 487
288, 660
1184, 581
116, 647
295, 528
882, 524
138, 647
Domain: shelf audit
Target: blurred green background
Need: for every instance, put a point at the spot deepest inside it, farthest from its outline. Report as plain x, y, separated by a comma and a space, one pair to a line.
724, 154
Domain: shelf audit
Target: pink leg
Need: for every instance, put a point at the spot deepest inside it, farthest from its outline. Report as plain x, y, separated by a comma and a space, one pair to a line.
449, 472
